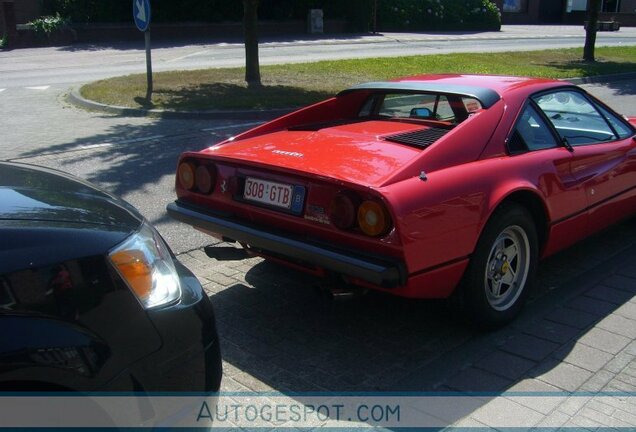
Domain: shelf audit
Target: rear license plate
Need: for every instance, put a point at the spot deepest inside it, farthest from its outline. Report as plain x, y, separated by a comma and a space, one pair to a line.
270, 193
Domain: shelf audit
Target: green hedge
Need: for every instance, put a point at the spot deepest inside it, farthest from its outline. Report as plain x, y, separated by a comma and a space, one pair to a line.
424, 15
394, 15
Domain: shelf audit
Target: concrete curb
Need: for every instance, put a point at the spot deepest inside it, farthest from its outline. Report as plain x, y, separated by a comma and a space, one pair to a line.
602, 78
77, 99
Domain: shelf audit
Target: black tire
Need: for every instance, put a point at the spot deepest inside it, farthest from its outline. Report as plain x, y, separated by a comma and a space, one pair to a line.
495, 285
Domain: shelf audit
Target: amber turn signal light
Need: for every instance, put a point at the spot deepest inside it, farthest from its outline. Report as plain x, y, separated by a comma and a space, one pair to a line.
133, 265
373, 218
185, 175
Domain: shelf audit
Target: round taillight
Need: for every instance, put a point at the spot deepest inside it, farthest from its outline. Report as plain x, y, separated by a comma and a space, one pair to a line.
343, 210
185, 174
205, 178
373, 218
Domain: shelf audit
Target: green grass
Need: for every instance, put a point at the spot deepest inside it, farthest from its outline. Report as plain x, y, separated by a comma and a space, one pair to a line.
300, 84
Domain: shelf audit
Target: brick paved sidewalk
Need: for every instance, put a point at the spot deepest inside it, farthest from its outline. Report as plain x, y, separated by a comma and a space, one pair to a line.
578, 334
585, 343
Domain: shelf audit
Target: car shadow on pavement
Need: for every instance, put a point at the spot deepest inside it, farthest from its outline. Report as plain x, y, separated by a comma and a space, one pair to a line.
278, 334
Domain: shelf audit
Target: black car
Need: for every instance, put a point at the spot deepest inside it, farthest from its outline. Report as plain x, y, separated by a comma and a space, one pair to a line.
91, 297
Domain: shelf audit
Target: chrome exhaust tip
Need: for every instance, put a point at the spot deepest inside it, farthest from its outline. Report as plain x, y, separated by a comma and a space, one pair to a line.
340, 292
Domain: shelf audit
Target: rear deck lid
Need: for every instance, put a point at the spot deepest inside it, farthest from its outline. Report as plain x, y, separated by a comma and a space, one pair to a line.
362, 152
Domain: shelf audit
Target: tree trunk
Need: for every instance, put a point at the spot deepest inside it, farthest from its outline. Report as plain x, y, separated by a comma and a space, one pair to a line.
590, 32
8, 9
250, 28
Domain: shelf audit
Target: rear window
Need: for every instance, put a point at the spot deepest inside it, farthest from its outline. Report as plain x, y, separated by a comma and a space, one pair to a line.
422, 106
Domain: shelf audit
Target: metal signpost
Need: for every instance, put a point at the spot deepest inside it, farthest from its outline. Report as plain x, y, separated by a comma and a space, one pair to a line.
141, 15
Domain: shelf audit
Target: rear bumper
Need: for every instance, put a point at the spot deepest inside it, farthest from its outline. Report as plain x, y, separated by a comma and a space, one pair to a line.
381, 271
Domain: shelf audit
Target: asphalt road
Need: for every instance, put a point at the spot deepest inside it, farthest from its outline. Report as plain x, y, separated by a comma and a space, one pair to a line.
82, 63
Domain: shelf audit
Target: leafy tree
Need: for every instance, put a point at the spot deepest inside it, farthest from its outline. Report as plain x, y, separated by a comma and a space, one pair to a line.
590, 31
250, 28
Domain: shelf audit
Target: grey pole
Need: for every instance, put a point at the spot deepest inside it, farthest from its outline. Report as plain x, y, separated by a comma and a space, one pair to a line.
148, 67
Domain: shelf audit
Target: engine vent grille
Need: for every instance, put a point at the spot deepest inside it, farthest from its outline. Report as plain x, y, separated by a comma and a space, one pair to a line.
419, 138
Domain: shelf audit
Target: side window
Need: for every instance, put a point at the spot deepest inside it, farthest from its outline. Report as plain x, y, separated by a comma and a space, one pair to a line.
531, 133
575, 118
471, 105
623, 130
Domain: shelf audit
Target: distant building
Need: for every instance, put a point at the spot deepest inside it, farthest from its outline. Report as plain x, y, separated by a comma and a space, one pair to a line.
564, 11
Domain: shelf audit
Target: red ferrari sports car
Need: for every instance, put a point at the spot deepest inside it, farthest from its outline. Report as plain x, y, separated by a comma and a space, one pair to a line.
429, 186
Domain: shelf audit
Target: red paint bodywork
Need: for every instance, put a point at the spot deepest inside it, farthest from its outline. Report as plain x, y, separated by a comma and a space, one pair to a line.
437, 222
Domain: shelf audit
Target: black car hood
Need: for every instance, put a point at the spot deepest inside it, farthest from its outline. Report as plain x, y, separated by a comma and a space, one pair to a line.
49, 216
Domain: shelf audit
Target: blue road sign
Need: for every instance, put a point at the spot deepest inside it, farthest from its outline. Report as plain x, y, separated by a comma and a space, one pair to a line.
141, 14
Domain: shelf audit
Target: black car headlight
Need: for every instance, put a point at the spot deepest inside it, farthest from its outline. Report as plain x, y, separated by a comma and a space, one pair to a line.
145, 263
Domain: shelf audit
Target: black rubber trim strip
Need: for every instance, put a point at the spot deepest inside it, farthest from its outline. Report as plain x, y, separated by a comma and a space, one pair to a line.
441, 265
